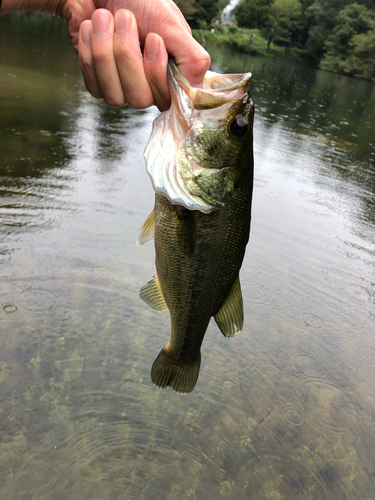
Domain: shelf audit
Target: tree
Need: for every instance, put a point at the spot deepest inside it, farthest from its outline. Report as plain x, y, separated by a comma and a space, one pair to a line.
322, 16
352, 21
286, 22
187, 7
198, 12
207, 10
363, 52
253, 13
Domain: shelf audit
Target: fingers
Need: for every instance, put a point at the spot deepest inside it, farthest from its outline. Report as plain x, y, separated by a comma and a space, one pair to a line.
97, 59
113, 66
86, 61
155, 65
129, 61
191, 58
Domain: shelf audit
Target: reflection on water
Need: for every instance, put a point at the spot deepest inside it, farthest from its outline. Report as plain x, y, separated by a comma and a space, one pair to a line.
284, 410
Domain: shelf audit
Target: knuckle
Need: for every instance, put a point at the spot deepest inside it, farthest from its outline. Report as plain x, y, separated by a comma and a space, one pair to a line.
202, 63
115, 99
101, 56
140, 102
85, 65
115, 102
121, 57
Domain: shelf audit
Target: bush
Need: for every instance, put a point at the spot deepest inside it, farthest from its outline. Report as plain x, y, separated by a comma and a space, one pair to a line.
219, 28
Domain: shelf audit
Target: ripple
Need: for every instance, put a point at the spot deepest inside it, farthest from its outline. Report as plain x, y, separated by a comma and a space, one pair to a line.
309, 367
65, 314
149, 326
38, 299
335, 409
10, 308
260, 183
200, 396
24, 215
289, 473
312, 321
257, 294
293, 416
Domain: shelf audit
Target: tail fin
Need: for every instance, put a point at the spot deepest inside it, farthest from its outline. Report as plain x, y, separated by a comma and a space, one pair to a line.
169, 372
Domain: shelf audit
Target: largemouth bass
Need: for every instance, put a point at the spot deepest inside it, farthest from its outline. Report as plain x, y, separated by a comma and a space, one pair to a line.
200, 160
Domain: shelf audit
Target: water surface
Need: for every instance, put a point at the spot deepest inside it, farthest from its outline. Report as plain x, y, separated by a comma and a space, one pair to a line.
285, 410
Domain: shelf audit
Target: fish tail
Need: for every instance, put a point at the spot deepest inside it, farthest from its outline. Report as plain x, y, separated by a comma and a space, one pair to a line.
167, 371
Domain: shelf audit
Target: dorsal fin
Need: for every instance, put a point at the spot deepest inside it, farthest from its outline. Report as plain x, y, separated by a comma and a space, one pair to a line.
151, 294
229, 317
147, 230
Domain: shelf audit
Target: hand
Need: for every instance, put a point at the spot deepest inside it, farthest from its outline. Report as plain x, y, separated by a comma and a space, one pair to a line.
109, 42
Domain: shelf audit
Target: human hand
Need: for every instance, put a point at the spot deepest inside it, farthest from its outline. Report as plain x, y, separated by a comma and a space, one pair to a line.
109, 42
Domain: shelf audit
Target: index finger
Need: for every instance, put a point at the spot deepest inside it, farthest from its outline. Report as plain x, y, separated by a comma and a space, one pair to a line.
191, 58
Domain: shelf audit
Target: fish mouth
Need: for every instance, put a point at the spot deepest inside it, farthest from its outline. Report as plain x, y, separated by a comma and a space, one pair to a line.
216, 90
170, 164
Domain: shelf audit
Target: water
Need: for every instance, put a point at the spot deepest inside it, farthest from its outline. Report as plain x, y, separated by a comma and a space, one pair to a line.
286, 410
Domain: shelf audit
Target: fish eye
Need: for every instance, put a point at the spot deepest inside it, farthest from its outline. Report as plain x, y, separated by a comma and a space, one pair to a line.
238, 127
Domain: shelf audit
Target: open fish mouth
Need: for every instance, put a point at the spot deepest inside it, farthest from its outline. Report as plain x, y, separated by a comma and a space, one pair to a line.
172, 162
216, 89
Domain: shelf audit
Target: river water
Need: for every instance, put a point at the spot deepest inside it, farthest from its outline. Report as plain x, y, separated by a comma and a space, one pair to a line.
285, 410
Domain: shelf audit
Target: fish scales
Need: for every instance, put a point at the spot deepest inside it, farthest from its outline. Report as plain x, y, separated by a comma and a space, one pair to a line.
199, 252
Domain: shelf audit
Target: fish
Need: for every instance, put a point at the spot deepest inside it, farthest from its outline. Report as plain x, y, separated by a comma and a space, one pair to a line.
200, 161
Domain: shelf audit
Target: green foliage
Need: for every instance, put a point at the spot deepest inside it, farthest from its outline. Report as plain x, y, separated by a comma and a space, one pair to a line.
207, 10
199, 13
219, 28
322, 16
253, 13
187, 7
350, 47
364, 50
233, 29
337, 35
285, 22
244, 40
223, 3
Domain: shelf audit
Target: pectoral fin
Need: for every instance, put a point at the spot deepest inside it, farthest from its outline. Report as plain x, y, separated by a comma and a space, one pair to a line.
147, 230
215, 186
151, 294
229, 318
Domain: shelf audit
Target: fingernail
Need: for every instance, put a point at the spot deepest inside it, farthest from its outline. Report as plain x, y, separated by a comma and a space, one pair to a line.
86, 33
122, 22
152, 47
101, 23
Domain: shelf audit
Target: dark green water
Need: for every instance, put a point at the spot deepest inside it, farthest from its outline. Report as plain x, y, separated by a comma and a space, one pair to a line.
286, 410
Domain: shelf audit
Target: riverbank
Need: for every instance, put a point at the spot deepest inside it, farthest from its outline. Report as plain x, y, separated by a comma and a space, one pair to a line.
249, 41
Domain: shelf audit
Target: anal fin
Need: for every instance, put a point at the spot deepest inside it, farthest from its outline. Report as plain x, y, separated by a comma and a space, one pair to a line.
229, 317
147, 230
151, 294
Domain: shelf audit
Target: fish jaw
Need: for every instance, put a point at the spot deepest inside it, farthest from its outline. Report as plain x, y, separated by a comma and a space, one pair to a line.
172, 161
